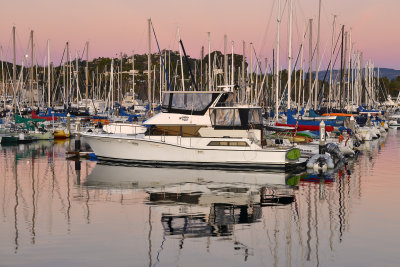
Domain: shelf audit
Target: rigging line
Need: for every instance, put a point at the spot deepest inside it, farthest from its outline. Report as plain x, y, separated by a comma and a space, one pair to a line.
162, 59
320, 94
263, 40
283, 97
76, 81
59, 74
284, 93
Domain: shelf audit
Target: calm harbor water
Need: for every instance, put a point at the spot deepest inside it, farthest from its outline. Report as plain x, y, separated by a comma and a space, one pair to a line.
57, 212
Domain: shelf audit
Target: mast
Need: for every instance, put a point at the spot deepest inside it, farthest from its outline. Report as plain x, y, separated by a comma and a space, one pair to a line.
341, 69
251, 74
290, 55
201, 68
133, 75
233, 68
2, 79
68, 76
331, 66
48, 75
87, 74
112, 84
77, 77
317, 66
31, 80
180, 57
310, 64
225, 60
243, 71
301, 75
120, 94
209, 63
14, 70
349, 72
277, 63
149, 64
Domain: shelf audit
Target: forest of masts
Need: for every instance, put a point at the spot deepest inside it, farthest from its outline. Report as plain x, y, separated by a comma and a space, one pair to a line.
256, 81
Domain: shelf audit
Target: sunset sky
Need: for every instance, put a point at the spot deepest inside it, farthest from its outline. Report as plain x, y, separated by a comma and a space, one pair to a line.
118, 26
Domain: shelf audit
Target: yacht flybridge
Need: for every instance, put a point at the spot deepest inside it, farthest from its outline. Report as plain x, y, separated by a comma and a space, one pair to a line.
198, 128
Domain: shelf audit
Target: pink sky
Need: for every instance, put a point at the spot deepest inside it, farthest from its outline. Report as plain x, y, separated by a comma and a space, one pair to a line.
118, 26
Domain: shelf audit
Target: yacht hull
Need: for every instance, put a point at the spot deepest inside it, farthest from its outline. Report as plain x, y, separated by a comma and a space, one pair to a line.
180, 151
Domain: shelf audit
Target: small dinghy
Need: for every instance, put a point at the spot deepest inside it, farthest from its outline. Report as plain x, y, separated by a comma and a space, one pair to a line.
320, 163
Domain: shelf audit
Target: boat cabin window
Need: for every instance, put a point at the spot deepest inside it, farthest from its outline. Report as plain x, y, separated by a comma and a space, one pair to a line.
188, 103
236, 118
228, 143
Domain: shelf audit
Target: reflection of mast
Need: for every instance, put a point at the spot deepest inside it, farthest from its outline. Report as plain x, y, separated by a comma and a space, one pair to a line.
276, 263
149, 237
309, 223
298, 222
4, 187
68, 199
33, 200
330, 219
340, 209
289, 240
87, 205
16, 203
316, 226
87, 198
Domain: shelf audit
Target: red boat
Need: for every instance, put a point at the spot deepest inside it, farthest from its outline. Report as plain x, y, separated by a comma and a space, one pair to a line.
47, 118
306, 127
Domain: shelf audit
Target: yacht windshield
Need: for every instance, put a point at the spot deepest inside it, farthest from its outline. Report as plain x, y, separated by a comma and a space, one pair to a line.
188, 103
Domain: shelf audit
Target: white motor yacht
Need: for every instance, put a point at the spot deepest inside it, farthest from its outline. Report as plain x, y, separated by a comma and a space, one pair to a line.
198, 129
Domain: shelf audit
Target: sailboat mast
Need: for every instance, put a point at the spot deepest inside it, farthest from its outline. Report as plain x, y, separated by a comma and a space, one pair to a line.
120, 93
290, 54
14, 70
209, 63
318, 63
181, 61
349, 72
48, 74
149, 64
133, 75
201, 68
68, 77
251, 74
87, 74
310, 63
2, 79
112, 84
225, 60
331, 66
233, 68
243, 72
277, 63
77, 77
31, 80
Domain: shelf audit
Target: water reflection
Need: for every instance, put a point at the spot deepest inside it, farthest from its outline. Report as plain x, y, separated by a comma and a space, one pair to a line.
173, 216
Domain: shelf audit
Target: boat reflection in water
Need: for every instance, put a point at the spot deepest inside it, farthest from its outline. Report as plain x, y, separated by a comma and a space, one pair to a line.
198, 203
